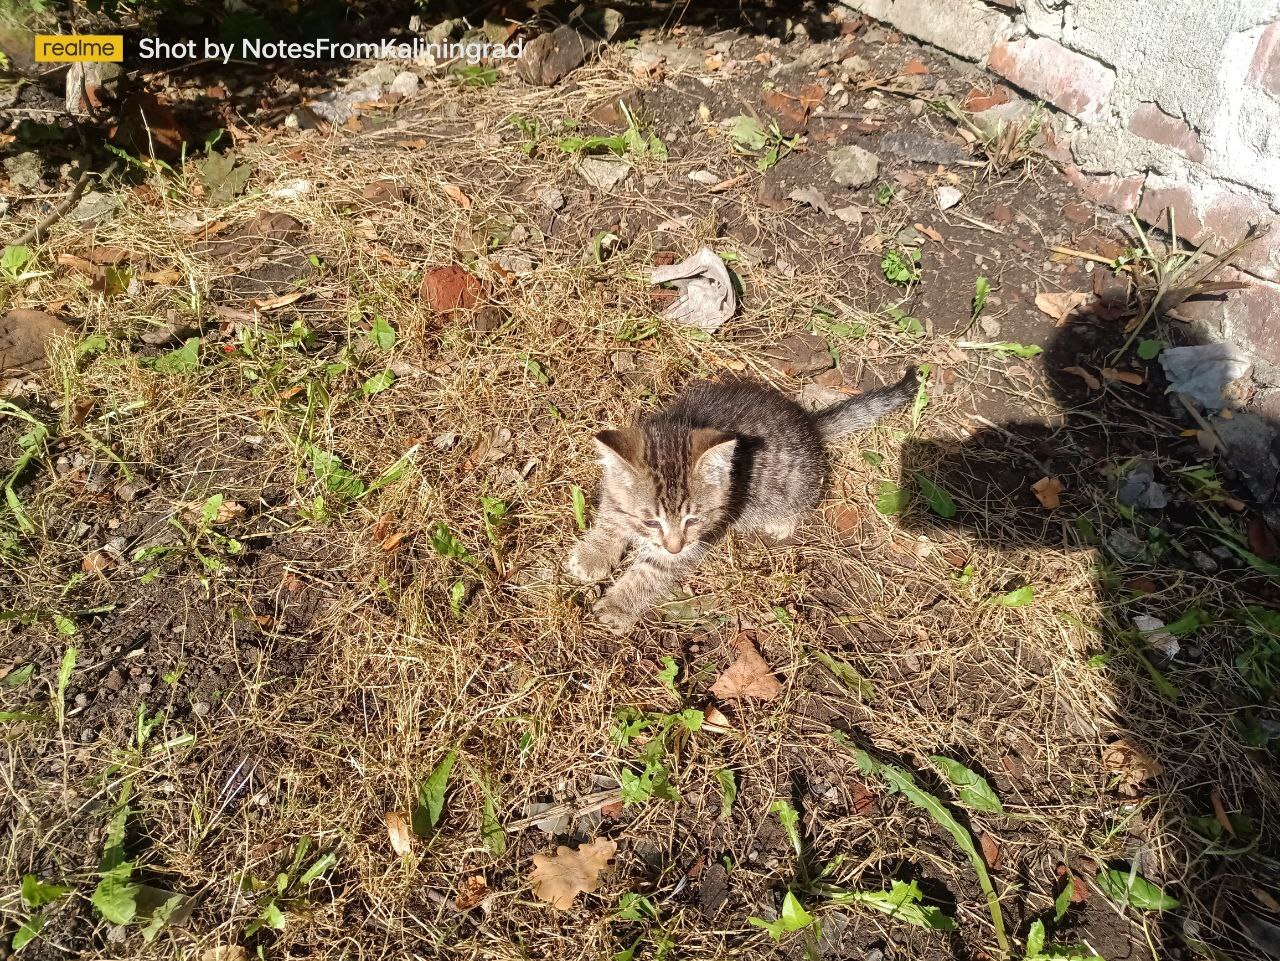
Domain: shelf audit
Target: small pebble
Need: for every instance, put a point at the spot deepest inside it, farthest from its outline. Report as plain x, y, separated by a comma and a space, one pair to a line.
201, 708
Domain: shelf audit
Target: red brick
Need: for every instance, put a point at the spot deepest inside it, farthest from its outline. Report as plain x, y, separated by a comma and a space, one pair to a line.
1070, 81
1152, 123
1110, 190
1264, 72
1228, 215
1181, 200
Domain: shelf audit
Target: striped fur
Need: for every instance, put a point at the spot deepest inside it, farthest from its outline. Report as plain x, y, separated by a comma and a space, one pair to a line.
738, 455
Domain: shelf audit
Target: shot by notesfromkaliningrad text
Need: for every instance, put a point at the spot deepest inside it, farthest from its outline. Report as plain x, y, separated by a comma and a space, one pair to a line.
153, 48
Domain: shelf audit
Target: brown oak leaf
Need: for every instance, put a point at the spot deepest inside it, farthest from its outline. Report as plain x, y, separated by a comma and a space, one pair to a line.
1047, 491
748, 676
559, 878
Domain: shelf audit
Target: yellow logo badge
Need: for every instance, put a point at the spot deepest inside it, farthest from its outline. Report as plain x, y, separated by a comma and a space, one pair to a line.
79, 48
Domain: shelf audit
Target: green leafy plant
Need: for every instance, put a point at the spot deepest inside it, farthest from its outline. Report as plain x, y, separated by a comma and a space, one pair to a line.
60, 691
426, 813
939, 501
1019, 597
848, 675
1131, 888
288, 890
35, 894
981, 291
382, 334
789, 817
902, 902
971, 789
901, 266
579, 507
474, 75
892, 499
901, 781
728, 782
921, 400
752, 138
884, 195
491, 830
13, 264
649, 775
792, 918
1037, 950
634, 141
1024, 351
183, 360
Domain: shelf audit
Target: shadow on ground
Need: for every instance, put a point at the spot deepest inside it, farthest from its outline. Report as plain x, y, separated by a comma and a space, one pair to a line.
1180, 534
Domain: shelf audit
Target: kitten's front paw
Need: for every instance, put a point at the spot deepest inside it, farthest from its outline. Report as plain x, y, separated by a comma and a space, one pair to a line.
616, 618
586, 566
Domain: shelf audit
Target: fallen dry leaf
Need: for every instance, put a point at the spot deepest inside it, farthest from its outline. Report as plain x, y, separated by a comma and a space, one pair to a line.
231, 952
471, 892
915, 68
1123, 376
162, 278
929, 232
748, 676
392, 541
990, 850
1090, 381
97, 562
1131, 763
846, 518
713, 719
398, 831
1047, 490
227, 511
455, 194
1220, 812
864, 800
446, 289
275, 303
1014, 767
1261, 540
1060, 306
1079, 890
419, 143
559, 878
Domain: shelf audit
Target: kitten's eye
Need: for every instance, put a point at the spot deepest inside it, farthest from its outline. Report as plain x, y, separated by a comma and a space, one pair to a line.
653, 525
690, 521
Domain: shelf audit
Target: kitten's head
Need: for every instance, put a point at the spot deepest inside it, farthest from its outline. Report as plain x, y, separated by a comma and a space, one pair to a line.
672, 485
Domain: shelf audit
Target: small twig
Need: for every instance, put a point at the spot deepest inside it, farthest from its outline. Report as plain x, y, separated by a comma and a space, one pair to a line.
592, 802
62, 209
1199, 419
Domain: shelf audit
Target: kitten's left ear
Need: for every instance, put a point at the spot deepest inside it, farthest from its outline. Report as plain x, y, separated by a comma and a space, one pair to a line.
711, 452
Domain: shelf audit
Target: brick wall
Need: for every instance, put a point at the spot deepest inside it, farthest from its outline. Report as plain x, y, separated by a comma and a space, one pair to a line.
1161, 104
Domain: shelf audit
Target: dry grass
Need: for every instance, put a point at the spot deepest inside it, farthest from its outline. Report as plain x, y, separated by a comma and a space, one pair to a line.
335, 675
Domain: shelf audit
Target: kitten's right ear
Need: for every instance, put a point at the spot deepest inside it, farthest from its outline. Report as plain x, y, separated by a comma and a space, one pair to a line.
621, 448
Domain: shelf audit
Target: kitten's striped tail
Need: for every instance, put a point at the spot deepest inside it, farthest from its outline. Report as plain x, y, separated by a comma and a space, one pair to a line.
861, 412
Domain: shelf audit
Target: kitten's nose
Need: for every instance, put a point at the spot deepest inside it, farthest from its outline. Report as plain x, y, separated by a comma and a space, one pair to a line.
674, 545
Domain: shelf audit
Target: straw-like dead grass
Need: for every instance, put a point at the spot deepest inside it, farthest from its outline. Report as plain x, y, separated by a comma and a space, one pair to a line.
324, 676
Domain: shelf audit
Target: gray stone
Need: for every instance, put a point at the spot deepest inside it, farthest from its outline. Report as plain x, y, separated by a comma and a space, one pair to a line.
603, 174
1251, 444
548, 58
25, 170
650, 53
918, 148
1140, 489
405, 84
379, 75
551, 197
853, 166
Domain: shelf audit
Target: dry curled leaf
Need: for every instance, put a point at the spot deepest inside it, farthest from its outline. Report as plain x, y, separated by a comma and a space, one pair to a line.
1090, 381
275, 303
1079, 890
1131, 764
1060, 306
990, 850
713, 719
1123, 376
398, 831
455, 194
929, 232
1047, 491
97, 562
748, 676
559, 878
471, 892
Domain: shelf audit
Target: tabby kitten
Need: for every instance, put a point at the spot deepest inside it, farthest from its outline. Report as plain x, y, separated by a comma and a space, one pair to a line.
738, 455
